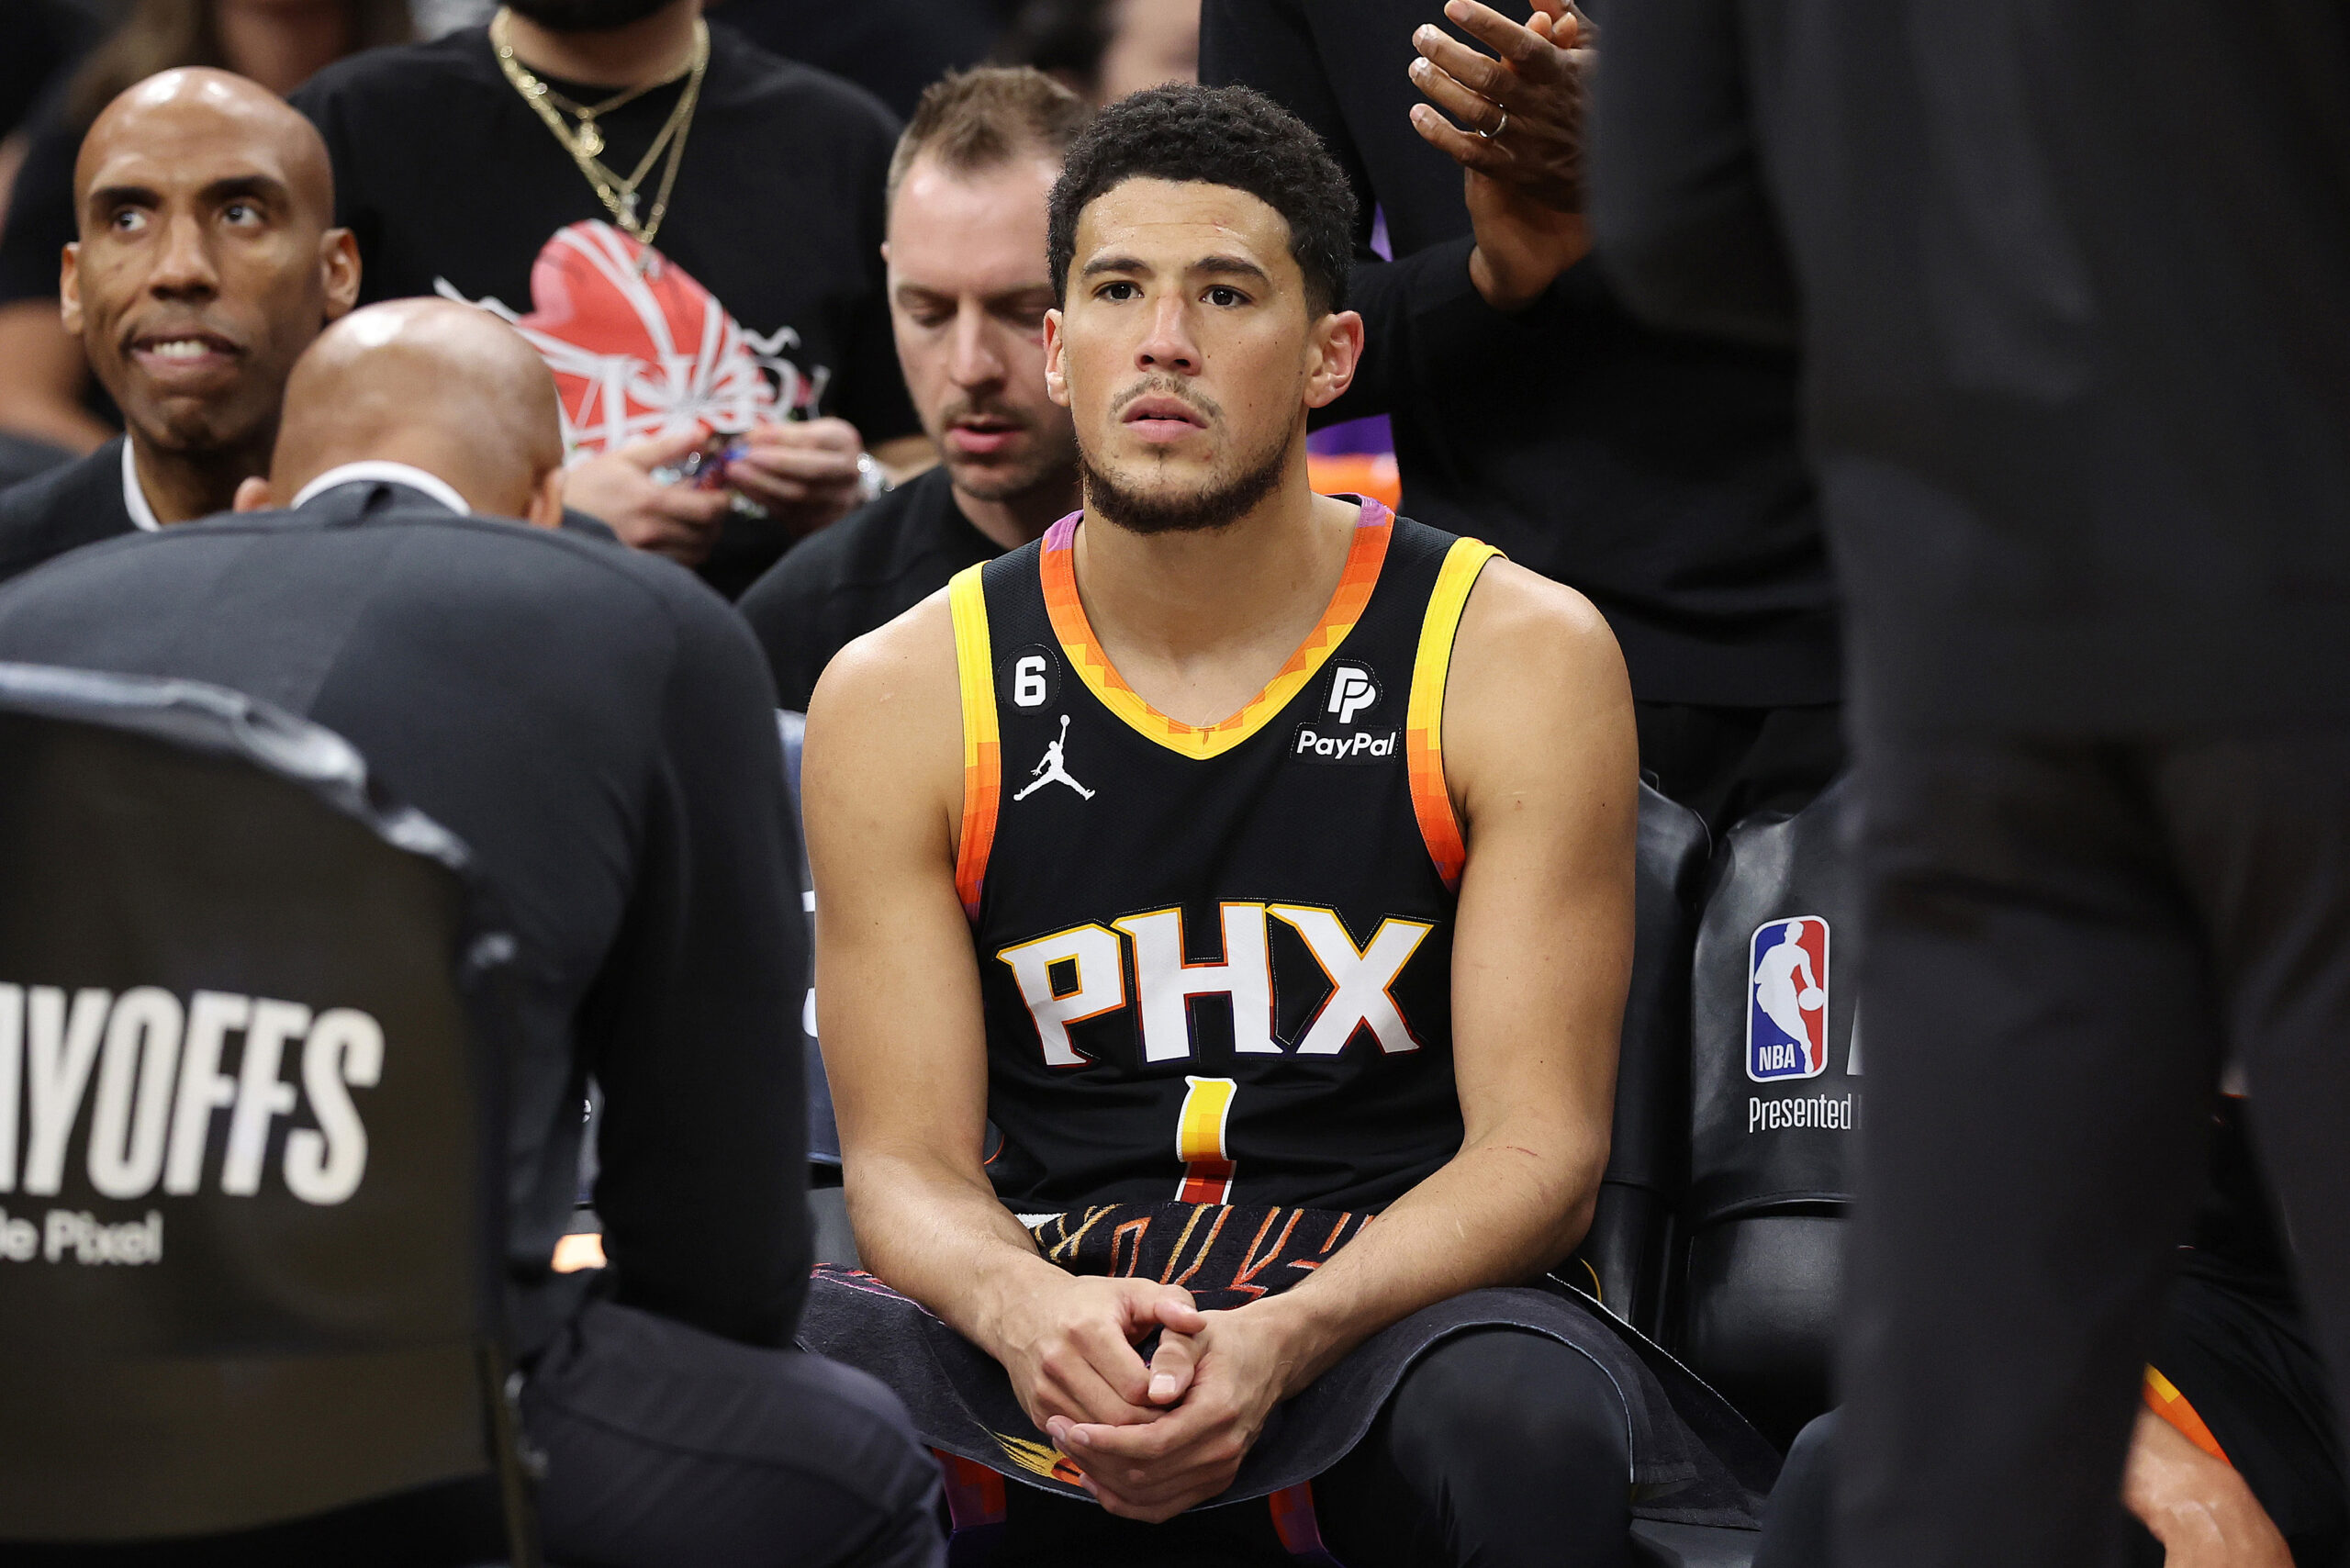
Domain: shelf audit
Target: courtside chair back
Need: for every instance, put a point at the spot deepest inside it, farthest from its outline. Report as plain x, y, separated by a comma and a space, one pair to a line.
833, 1240
1776, 1073
1625, 1256
251, 1018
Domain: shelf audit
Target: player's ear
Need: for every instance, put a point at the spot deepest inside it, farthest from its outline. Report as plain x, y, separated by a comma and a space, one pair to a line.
545, 509
69, 288
339, 270
1056, 369
1334, 349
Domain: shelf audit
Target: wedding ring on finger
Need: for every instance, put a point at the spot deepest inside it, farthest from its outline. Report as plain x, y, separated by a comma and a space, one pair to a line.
1496, 133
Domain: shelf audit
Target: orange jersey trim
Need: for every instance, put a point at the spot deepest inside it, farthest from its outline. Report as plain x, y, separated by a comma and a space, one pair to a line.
982, 760
1059, 567
2164, 1400
1423, 716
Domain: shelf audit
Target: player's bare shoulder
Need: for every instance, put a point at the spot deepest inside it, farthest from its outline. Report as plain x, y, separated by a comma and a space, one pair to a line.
1537, 686
885, 726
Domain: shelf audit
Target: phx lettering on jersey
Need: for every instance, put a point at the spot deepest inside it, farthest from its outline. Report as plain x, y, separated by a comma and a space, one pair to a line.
1075, 975
151, 1070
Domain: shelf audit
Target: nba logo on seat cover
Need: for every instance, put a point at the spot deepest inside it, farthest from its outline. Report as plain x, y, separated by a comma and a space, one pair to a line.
1786, 998
1352, 688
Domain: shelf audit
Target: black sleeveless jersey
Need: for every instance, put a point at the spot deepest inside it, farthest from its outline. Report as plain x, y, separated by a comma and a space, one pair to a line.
1216, 962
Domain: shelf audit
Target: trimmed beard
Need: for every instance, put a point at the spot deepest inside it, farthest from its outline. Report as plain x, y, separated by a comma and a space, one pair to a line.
586, 16
1201, 510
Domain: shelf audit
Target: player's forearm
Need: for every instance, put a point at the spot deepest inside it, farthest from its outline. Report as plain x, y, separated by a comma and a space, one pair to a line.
1510, 1204
932, 1233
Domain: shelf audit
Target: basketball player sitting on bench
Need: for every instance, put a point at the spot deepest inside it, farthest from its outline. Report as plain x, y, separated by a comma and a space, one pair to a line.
1234, 845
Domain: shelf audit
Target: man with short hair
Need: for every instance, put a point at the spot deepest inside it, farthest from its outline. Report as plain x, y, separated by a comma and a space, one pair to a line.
597, 728
686, 228
1256, 862
206, 263
969, 291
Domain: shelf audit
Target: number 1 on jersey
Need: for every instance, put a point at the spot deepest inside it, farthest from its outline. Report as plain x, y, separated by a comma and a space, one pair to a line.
1200, 1141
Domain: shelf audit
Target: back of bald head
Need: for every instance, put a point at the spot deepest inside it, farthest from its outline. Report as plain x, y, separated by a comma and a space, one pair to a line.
162, 114
446, 387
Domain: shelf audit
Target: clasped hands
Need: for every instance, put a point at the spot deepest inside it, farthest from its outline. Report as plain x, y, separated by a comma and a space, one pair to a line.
804, 472
1522, 153
1151, 1439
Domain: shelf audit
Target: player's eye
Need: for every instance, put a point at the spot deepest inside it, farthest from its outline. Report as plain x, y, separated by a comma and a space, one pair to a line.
242, 214
1223, 294
126, 220
1118, 288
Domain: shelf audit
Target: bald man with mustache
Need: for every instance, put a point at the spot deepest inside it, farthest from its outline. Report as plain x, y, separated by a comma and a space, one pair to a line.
208, 261
598, 727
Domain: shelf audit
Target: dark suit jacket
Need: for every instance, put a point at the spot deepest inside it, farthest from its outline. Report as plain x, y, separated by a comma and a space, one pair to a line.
598, 728
75, 504
1659, 475
2072, 277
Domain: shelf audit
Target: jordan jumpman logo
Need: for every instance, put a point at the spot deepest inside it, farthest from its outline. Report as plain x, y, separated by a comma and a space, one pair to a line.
1050, 769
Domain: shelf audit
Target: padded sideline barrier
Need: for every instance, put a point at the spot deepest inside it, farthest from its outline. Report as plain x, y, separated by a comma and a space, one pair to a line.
1776, 1078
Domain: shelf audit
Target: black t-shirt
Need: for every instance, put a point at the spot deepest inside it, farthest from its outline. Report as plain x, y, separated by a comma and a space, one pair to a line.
454, 185
892, 48
72, 505
863, 572
1660, 474
40, 206
598, 729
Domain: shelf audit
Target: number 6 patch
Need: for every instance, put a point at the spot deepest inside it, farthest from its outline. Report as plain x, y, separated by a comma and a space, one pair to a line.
1030, 676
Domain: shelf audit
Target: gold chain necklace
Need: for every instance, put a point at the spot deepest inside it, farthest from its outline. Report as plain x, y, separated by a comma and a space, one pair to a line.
619, 195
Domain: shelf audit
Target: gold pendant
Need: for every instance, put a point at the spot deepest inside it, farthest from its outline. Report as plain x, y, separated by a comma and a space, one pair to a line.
590, 141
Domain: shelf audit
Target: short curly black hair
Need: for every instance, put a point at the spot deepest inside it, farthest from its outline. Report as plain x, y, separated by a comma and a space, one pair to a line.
1218, 136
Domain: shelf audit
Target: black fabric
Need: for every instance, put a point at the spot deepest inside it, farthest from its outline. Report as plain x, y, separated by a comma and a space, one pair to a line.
40, 41
2065, 940
892, 48
2083, 477
665, 1445
449, 178
1693, 1460
2238, 1240
1089, 1107
41, 221
1659, 475
225, 1320
25, 457
2245, 1365
863, 571
74, 504
456, 1525
1729, 764
1498, 1448
597, 726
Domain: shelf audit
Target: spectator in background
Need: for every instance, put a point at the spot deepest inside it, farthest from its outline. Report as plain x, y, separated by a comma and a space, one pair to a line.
892, 48
1660, 474
969, 289
689, 229
46, 391
206, 265
1103, 50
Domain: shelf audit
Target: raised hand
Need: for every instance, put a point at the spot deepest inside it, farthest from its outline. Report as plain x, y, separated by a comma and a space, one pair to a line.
1521, 108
